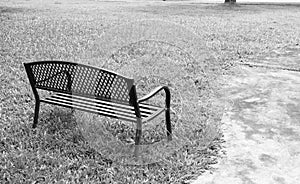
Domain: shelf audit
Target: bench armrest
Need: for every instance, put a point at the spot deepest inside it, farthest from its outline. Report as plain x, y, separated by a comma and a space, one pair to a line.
154, 92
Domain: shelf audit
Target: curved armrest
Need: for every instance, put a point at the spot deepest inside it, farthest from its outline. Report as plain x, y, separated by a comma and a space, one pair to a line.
154, 92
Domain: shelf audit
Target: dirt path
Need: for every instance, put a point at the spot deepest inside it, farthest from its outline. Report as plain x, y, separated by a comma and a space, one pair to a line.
261, 129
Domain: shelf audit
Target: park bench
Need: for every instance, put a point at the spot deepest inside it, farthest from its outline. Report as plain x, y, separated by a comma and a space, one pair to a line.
94, 90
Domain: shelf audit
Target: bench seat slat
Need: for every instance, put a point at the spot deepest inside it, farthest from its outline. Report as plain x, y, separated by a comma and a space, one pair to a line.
150, 107
98, 108
89, 109
145, 120
109, 107
143, 107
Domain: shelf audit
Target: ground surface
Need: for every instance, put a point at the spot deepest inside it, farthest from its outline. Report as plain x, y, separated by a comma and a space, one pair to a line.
252, 1
261, 128
228, 35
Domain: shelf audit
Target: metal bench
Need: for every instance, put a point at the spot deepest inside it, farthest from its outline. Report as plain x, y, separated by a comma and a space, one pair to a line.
94, 90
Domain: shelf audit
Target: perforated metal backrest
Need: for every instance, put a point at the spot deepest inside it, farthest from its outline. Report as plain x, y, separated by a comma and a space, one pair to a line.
74, 78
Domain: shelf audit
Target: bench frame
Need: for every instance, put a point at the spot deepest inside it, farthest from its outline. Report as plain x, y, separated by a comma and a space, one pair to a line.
133, 100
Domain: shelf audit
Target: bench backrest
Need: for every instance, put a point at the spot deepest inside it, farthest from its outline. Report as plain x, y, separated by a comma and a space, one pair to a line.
79, 79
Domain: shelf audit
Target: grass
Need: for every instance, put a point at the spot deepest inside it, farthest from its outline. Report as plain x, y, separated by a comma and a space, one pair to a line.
59, 149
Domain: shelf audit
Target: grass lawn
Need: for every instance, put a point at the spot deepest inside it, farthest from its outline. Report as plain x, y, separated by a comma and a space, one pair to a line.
59, 150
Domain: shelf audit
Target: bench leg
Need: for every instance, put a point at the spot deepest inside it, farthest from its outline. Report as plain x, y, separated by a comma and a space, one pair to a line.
168, 124
138, 136
36, 113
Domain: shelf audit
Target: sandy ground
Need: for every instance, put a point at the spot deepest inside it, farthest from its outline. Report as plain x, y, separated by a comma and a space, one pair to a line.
261, 129
222, 1
242, 1
255, 1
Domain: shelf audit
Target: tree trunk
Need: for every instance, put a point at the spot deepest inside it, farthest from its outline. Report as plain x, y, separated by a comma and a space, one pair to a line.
230, 1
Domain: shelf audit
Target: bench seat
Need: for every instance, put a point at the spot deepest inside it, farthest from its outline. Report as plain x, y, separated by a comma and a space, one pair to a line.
104, 107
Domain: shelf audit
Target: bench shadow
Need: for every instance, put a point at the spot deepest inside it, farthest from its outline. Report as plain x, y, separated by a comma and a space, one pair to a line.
57, 119
6, 10
59, 125
58, 131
